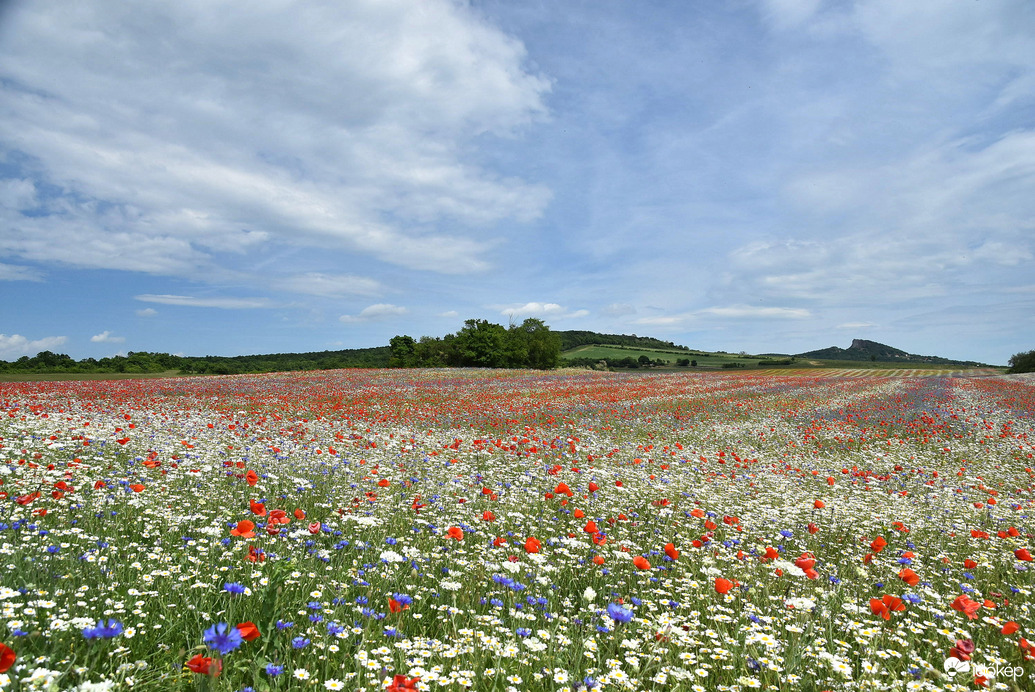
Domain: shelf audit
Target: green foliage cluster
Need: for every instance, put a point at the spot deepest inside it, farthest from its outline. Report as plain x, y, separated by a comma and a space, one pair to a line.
481, 344
143, 362
1022, 362
573, 338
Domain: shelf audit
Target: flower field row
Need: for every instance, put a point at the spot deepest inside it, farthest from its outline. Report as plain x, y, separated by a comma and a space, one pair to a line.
430, 529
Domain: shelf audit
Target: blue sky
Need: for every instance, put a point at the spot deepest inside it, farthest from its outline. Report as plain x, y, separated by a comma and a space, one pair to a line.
767, 176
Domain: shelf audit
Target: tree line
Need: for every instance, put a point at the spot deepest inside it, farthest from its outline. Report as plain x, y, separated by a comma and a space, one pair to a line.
481, 344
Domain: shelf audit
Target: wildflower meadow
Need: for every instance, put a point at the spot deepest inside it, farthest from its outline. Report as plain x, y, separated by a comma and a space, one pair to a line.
511, 530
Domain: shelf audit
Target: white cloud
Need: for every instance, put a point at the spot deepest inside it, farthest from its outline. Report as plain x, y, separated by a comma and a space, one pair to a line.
543, 310
12, 272
147, 312
856, 325
195, 302
619, 310
786, 14
185, 129
16, 345
448, 314
334, 285
371, 313
107, 337
752, 312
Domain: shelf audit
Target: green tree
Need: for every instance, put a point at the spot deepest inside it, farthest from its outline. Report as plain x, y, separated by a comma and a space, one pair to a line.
404, 352
1022, 362
533, 345
481, 344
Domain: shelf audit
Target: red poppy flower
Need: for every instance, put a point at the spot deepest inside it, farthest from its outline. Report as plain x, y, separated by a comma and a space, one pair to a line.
278, 516
249, 632
771, 553
245, 529
203, 665
641, 562
883, 606
299, 514
400, 684
383, 483
723, 586
562, 489
251, 477
1022, 554
532, 545
967, 606
1009, 628
909, 576
670, 550
878, 544
498, 541
598, 559
969, 564
591, 527
258, 508
255, 555
819, 504
455, 532
314, 527
7, 656
488, 516
593, 487
395, 606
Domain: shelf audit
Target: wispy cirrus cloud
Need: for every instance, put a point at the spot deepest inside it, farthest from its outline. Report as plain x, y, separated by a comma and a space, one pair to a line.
187, 140
201, 302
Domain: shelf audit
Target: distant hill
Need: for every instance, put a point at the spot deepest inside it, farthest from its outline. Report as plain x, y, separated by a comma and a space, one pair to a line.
574, 338
863, 350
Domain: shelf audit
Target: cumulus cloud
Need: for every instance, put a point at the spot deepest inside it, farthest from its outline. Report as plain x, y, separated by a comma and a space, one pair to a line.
190, 131
372, 313
16, 345
106, 337
196, 302
543, 310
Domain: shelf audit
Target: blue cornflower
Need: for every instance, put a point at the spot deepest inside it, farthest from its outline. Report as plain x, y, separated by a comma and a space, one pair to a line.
496, 602
274, 670
333, 629
233, 588
102, 630
523, 631
786, 533
281, 625
299, 643
223, 638
53, 549
403, 598
619, 613
392, 632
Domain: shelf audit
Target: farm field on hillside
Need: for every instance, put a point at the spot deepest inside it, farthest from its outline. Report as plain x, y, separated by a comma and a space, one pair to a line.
516, 530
